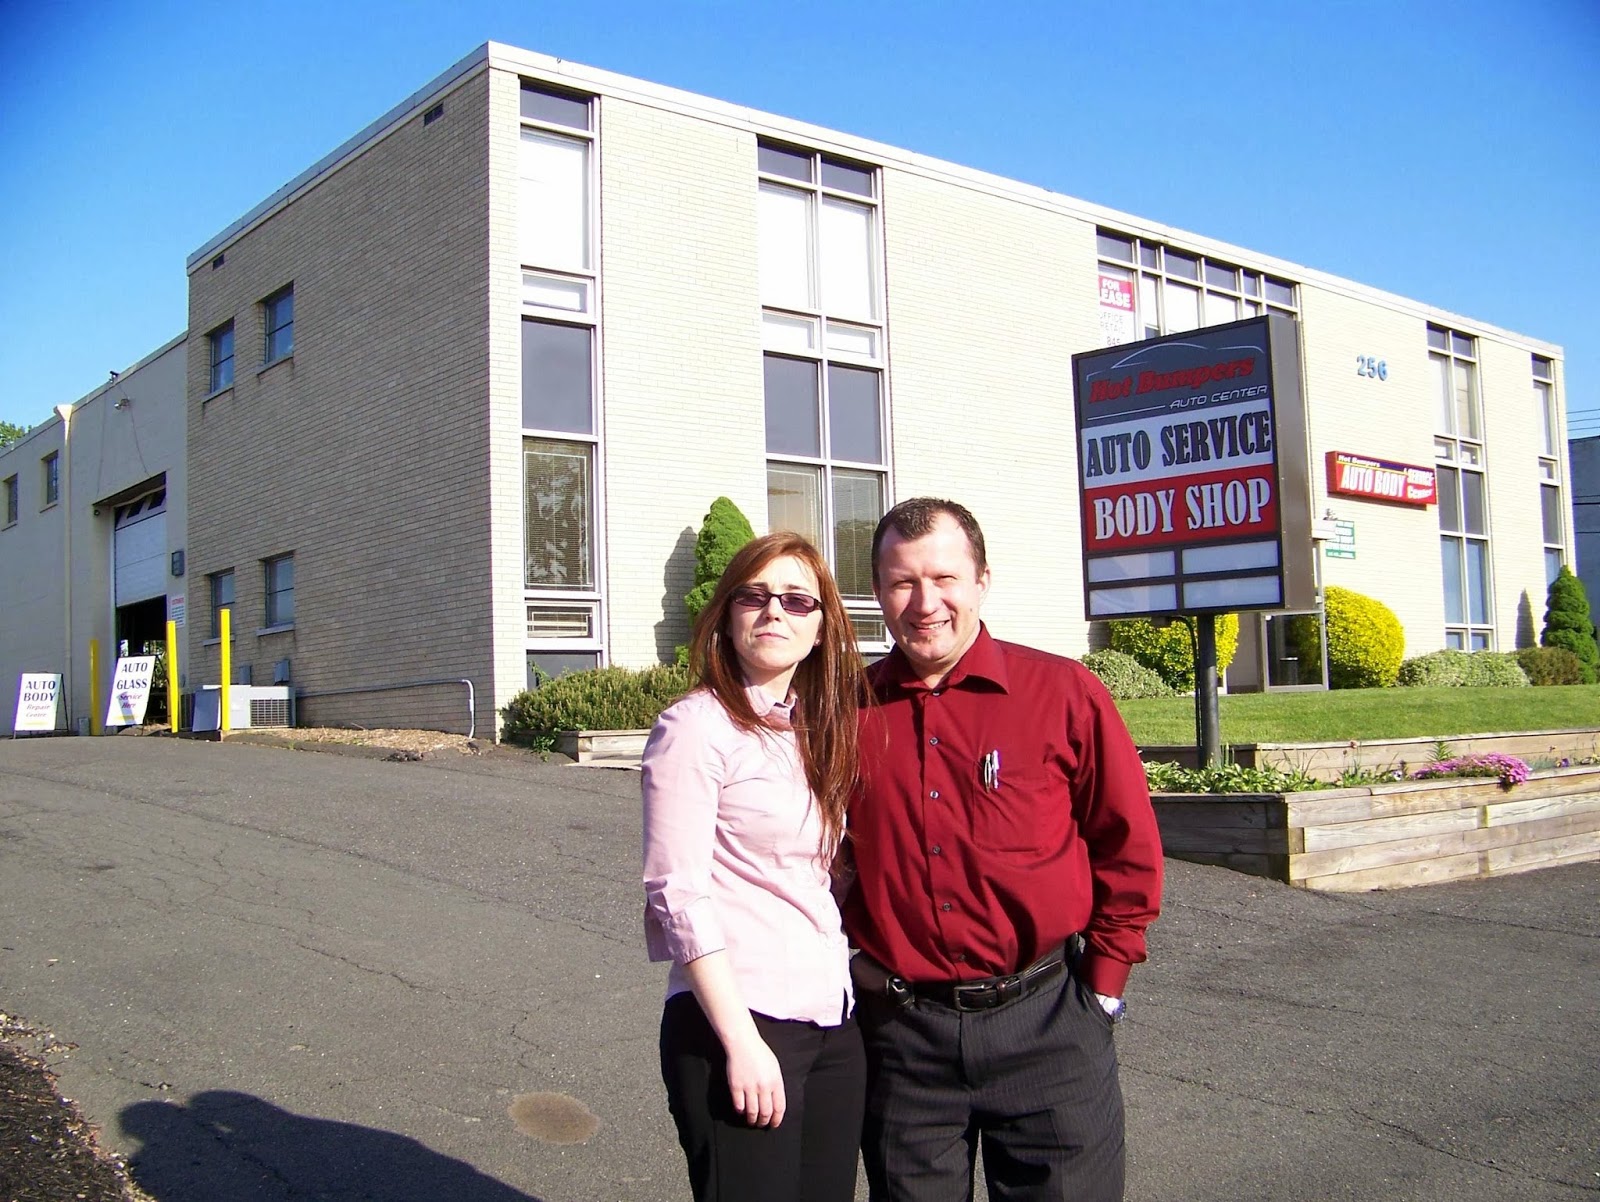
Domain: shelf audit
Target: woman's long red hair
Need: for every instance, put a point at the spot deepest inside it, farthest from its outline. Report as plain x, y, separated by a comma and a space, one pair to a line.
830, 683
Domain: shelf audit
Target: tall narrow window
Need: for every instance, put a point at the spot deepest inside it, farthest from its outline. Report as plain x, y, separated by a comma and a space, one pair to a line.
50, 467
11, 500
278, 580
1463, 492
277, 315
1147, 289
220, 344
1550, 507
561, 443
821, 280
221, 598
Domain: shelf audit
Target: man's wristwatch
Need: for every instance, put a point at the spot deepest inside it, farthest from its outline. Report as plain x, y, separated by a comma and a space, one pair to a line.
1114, 1007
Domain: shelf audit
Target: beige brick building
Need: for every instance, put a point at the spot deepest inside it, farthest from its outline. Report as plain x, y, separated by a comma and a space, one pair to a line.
460, 394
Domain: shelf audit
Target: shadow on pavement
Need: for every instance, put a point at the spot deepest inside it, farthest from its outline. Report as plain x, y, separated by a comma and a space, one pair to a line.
224, 1144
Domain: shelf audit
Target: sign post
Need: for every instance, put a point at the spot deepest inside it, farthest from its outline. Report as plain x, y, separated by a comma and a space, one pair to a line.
1195, 485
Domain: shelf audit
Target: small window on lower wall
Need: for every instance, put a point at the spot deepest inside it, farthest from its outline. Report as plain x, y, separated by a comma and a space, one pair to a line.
547, 665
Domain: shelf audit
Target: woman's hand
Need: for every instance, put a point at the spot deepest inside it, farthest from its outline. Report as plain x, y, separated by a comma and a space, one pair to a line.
756, 1081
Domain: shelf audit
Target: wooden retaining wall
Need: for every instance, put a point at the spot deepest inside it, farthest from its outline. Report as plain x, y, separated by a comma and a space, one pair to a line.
1327, 760
1388, 836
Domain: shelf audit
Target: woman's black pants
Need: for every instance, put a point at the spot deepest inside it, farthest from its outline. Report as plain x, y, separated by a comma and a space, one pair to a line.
811, 1156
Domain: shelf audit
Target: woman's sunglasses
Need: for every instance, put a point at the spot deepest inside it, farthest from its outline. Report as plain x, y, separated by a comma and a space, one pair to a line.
750, 597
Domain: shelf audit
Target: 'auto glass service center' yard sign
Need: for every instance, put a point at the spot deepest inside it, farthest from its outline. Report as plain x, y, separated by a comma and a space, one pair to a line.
1193, 472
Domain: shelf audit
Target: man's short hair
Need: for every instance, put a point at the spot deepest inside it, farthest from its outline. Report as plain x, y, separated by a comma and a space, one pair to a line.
914, 518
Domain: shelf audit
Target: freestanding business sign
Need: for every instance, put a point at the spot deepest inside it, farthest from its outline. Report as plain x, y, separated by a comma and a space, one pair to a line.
130, 690
1194, 473
38, 701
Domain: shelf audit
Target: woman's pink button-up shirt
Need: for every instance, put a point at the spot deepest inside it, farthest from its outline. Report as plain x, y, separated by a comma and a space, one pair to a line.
731, 861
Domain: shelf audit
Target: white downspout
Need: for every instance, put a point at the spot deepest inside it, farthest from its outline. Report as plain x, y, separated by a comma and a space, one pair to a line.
64, 412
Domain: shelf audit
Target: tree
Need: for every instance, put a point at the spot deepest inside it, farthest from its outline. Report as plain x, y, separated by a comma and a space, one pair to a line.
1567, 622
724, 531
10, 433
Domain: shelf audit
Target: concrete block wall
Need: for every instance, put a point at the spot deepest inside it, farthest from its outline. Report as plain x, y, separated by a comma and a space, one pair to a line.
366, 454
1397, 546
124, 434
33, 584
683, 413
988, 299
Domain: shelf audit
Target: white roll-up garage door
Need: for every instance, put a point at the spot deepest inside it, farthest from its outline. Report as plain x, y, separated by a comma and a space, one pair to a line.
141, 549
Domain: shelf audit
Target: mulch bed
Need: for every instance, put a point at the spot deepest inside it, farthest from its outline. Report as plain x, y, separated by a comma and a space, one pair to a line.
48, 1151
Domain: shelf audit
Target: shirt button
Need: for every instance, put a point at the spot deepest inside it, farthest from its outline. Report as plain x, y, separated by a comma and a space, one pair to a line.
960, 957
933, 742
935, 849
934, 794
945, 907
936, 692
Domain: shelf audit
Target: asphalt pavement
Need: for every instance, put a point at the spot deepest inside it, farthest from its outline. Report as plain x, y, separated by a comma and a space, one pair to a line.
297, 976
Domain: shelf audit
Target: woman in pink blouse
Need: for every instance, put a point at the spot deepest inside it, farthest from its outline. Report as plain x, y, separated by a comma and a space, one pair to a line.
745, 783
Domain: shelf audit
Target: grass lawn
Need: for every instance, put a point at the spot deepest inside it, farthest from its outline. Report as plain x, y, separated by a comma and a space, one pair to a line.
1367, 714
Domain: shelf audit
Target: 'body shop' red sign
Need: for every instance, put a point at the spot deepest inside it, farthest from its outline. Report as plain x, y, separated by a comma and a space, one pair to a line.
1379, 480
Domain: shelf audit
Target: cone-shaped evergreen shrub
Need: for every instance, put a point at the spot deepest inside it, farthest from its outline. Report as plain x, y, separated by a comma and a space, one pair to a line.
725, 530
1567, 622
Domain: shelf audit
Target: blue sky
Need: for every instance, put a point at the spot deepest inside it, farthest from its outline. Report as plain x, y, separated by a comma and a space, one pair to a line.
1443, 151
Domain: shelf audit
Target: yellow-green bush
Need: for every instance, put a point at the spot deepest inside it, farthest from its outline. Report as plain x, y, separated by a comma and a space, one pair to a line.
1366, 642
1167, 650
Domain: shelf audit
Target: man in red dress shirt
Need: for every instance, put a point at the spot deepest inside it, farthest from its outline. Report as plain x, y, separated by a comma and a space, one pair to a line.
1007, 865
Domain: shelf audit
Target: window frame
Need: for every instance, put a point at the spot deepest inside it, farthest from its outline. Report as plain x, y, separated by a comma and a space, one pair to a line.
215, 607
273, 591
561, 294
270, 307
13, 498
50, 479
1148, 266
1459, 457
220, 366
1544, 390
830, 339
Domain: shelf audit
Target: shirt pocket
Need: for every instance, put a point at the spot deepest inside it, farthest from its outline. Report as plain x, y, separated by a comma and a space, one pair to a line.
1025, 812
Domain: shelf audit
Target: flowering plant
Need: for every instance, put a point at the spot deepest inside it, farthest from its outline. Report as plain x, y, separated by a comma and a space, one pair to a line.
1508, 768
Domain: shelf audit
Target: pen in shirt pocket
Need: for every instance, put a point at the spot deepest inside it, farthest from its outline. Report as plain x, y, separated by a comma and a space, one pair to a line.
989, 770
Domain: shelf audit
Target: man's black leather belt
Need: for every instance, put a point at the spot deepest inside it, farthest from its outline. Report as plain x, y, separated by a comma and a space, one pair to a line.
990, 992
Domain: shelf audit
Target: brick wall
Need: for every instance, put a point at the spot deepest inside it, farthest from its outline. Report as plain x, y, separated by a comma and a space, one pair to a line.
366, 454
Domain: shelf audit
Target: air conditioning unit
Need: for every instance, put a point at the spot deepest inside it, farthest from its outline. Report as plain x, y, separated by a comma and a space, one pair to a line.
248, 706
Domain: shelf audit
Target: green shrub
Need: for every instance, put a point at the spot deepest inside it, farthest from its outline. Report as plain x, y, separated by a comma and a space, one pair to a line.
1435, 670
601, 699
1550, 665
1167, 651
724, 531
1495, 670
1457, 669
1567, 622
1227, 778
1125, 677
1365, 640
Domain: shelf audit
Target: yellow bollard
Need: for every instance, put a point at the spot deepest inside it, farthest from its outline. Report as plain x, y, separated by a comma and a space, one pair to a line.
172, 676
226, 614
94, 686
